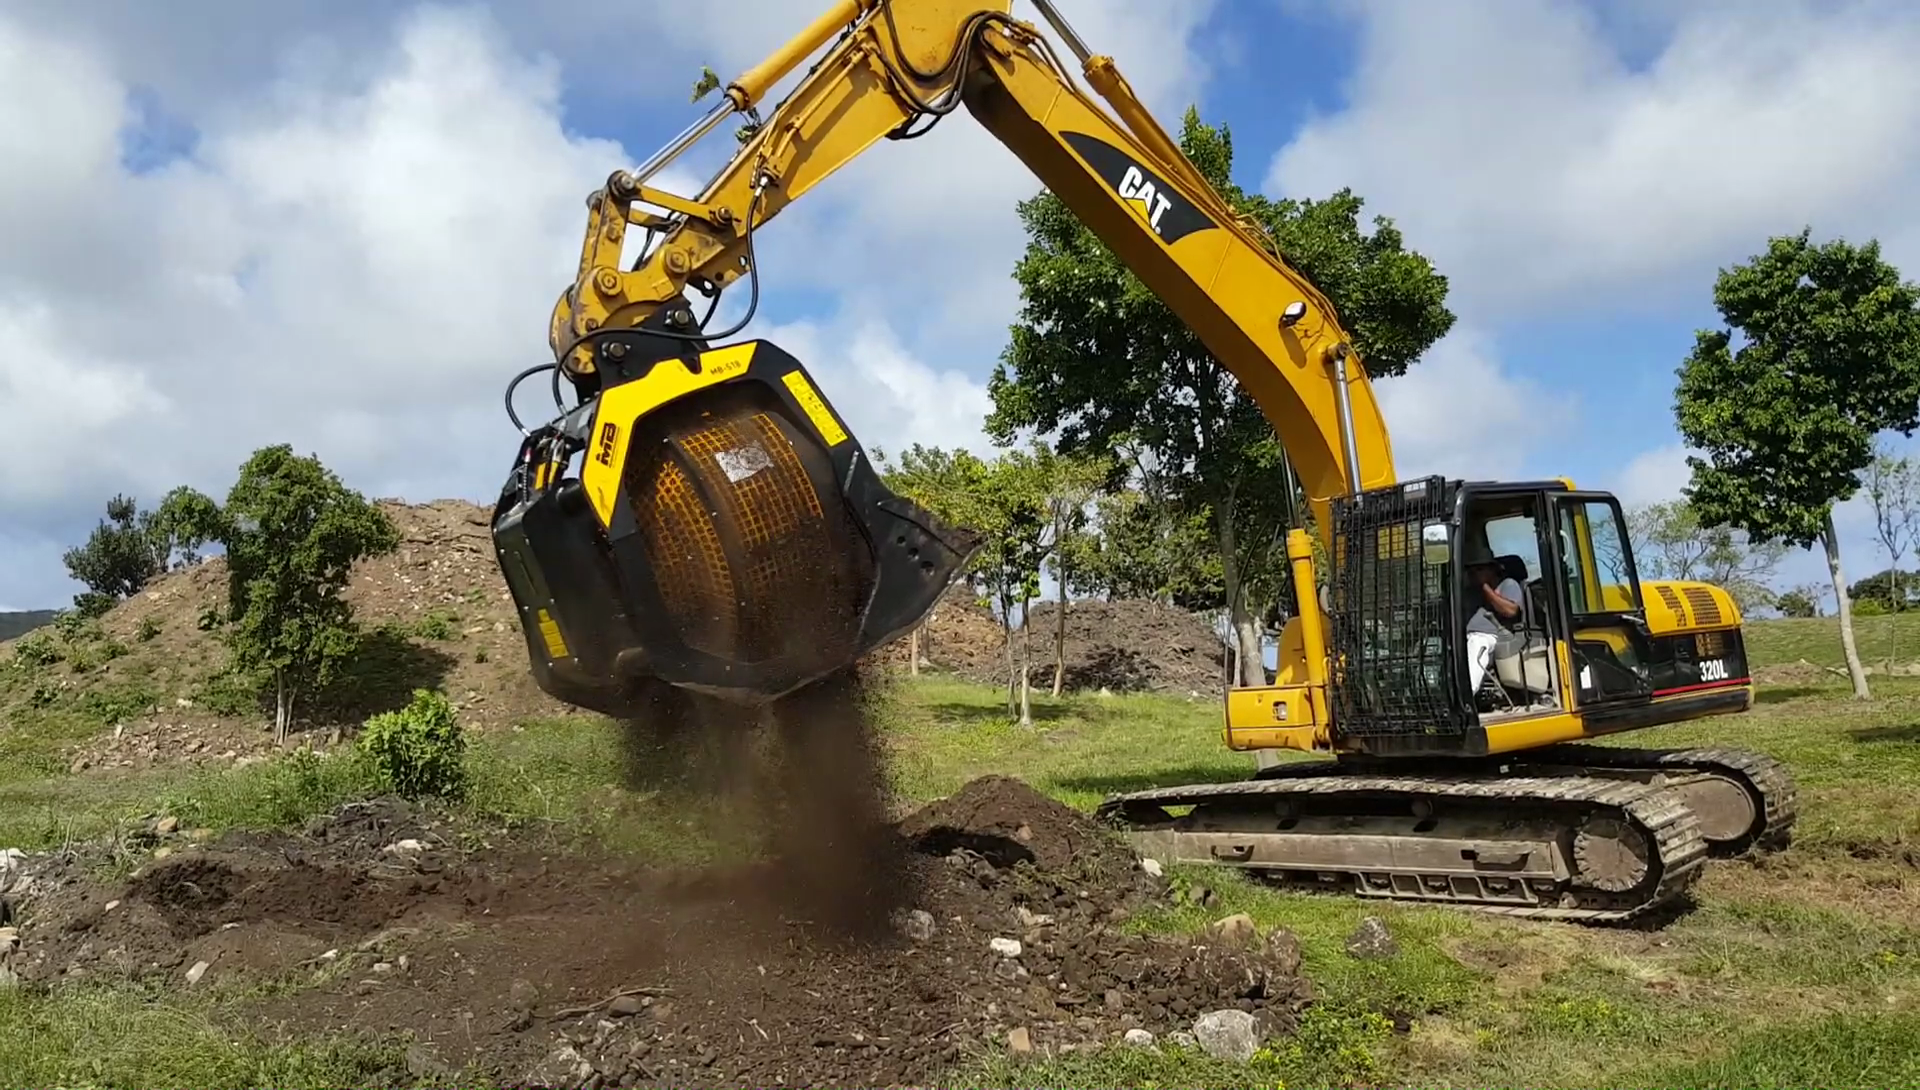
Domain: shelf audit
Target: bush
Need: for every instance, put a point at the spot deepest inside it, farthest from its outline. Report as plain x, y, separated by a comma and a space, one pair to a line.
420, 749
36, 649
149, 628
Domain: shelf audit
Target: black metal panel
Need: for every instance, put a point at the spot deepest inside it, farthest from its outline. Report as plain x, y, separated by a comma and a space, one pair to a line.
1394, 628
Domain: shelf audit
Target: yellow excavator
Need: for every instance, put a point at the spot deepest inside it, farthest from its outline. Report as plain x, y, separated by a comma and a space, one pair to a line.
702, 520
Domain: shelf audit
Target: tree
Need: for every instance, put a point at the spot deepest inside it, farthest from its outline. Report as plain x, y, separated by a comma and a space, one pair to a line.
946, 483
1669, 543
292, 533
1893, 486
1098, 361
1012, 506
1799, 602
1068, 484
127, 549
1829, 359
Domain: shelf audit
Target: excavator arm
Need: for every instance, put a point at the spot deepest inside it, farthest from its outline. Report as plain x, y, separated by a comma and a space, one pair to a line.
724, 533
897, 62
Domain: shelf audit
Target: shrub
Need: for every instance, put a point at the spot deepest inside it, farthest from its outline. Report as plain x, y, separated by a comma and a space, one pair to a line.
149, 628
36, 649
420, 749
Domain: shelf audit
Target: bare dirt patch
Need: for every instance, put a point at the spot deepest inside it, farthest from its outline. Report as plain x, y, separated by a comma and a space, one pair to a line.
564, 970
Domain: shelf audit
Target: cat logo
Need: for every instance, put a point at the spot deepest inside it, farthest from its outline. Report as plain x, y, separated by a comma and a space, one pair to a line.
1167, 212
604, 454
1135, 187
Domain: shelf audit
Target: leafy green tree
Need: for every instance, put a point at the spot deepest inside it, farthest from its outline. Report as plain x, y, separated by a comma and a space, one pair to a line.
1798, 602
292, 533
1011, 499
126, 550
1829, 359
946, 483
1097, 360
1068, 484
1669, 543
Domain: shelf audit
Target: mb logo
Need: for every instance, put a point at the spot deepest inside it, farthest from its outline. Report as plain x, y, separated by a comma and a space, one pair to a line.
603, 452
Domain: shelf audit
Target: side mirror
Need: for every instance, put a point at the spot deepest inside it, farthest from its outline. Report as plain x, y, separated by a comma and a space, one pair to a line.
1436, 546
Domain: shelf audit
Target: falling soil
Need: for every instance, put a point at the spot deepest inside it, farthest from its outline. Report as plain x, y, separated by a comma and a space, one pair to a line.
863, 956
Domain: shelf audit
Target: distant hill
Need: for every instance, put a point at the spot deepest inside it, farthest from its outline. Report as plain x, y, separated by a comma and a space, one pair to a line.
17, 624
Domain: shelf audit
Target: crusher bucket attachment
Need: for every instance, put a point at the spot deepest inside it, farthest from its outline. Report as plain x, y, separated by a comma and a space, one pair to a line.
724, 533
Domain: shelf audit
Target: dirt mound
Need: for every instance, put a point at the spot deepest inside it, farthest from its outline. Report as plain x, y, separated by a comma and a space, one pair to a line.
1130, 645
573, 971
1123, 646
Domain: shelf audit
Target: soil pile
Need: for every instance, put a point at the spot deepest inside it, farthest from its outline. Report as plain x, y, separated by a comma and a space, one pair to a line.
572, 971
1125, 645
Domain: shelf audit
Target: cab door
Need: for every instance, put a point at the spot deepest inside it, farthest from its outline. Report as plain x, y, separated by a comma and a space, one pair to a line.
1608, 641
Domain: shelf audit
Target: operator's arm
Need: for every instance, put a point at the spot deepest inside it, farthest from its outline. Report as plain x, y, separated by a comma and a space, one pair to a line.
905, 61
1504, 600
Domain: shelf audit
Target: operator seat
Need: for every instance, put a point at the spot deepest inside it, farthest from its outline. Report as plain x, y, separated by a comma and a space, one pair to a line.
1523, 659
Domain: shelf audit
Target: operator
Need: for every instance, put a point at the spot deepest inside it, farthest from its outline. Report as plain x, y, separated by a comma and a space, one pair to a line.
1498, 613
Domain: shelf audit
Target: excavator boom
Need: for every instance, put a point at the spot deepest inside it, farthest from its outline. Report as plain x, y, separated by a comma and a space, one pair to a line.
724, 533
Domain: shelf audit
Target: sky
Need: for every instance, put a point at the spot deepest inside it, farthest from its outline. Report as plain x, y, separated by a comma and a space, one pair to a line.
342, 224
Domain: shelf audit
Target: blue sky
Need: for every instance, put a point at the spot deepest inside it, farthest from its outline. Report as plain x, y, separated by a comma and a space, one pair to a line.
342, 223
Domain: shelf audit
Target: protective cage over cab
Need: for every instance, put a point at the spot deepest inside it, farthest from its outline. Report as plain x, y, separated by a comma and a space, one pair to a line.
725, 533
1581, 649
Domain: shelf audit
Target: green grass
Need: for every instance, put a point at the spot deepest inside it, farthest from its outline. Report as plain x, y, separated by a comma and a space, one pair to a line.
1805, 971
1893, 637
91, 1036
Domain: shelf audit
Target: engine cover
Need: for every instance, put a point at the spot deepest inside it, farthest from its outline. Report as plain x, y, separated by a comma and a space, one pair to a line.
725, 534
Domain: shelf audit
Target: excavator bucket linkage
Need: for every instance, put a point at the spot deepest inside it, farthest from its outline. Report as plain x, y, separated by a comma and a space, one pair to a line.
726, 534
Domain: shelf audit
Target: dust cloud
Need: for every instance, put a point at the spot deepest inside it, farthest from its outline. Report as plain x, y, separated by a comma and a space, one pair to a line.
800, 786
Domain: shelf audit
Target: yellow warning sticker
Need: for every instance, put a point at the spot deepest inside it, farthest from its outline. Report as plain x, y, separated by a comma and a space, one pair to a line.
556, 645
816, 409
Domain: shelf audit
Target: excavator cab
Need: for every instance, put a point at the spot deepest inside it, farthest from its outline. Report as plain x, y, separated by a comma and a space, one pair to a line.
1581, 658
706, 520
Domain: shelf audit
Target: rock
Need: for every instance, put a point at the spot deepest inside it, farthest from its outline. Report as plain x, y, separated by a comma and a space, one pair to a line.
626, 1006
1180, 1038
199, 970
1235, 930
1227, 1035
166, 826
1138, 1038
1030, 919
80, 764
1283, 950
162, 852
407, 848
1010, 970
1152, 867
522, 994
1019, 1040
383, 967
916, 924
1372, 940
1006, 948
9, 951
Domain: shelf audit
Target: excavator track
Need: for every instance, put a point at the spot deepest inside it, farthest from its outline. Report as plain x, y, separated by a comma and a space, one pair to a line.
1746, 802
1573, 848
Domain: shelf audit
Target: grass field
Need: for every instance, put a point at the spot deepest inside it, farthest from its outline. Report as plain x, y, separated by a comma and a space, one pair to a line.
1805, 971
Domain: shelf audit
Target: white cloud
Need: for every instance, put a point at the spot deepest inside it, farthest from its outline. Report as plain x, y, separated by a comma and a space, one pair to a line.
1653, 476
1458, 413
1523, 151
377, 212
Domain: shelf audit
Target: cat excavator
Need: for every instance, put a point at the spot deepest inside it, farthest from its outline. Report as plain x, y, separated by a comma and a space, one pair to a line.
702, 520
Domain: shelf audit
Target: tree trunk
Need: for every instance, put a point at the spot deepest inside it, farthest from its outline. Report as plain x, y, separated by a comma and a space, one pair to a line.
1006, 626
1060, 637
1246, 634
913, 653
1831, 538
282, 708
1026, 667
